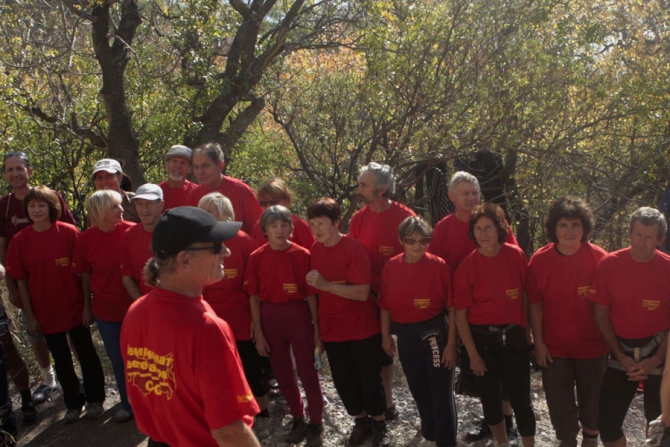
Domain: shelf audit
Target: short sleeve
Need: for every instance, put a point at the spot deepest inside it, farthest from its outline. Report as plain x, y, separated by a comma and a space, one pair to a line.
598, 292
463, 285
80, 262
127, 257
15, 267
251, 280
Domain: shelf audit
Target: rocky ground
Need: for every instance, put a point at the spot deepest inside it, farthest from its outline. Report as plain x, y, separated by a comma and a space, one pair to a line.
104, 432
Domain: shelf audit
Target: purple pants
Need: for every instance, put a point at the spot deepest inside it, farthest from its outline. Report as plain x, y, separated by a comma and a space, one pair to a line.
286, 326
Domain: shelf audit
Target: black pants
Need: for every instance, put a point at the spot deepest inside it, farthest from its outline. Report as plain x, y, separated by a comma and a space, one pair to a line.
356, 368
509, 363
94, 378
7, 419
420, 348
252, 364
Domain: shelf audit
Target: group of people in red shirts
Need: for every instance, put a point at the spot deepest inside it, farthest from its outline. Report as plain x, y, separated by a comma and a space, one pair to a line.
189, 326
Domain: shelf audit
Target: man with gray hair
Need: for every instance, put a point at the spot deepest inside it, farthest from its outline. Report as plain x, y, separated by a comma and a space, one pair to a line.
631, 295
177, 187
376, 226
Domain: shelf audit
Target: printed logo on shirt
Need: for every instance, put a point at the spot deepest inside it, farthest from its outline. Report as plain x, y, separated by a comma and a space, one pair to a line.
512, 294
17, 221
245, 398
62, 262
421, 303
290, 288
650, 305
230, 273
583, 291
385, 250
150, 372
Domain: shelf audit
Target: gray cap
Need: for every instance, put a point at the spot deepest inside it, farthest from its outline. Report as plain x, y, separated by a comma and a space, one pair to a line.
108, 165
179, 150
149, 191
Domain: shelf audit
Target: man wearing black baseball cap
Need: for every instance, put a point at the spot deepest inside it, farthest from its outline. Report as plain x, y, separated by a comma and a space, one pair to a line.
184, 375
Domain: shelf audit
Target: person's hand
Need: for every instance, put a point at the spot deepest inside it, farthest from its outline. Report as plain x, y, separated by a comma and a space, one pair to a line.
87, 318
628, 363
449, 356
642, 370
542, 355
315, 280
477, 365
14, 298
262, 346
388, 343
33, 325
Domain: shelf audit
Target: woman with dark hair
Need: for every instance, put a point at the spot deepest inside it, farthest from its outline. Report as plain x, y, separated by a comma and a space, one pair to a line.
568, 345
98, 258
348, 320
284, 315
491, 317
39, 258
415, 294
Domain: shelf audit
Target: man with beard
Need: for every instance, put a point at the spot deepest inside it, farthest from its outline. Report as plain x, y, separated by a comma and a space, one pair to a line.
177, 187
376, 226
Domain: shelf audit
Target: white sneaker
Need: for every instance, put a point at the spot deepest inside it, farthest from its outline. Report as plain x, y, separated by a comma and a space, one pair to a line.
262, 428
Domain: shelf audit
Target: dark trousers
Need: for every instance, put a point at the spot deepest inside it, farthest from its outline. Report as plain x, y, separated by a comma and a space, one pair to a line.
253, 367
420, 348
356, 368
509, 363
616, 394
7, 419
94, 378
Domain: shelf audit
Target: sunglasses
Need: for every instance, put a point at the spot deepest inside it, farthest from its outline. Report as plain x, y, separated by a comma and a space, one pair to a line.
16, 154
412, 241
215, 249
269, 202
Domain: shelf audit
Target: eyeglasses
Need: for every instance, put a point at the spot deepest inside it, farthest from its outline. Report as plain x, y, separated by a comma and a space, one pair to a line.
412, 241
215, 249
269, 202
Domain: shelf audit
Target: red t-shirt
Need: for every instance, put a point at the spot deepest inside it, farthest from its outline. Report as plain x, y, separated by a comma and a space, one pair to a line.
278, 276
184, 376
379, 234
44, 258
450, 241
136, 253
415, 292
246, 206
227, 297
101, 255
302, 233
492, 288
562, 283
637, 293
175, 197
13, 219
341, 319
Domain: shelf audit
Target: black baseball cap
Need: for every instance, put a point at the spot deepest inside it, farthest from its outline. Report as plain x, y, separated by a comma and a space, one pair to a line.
181, 227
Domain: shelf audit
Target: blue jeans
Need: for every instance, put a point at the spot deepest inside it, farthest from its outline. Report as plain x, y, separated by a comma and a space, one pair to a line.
110, 331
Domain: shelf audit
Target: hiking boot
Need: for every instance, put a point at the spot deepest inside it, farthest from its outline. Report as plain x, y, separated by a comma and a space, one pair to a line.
262, 428
391, 413
30, 415
590, 442
362, 431
72, 415
513, 437
123, 415
482, 432
298, 432
94, 410
380, 436
314, 435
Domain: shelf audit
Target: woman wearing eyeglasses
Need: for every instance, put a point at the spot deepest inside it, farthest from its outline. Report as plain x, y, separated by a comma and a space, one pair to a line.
276, 192
491, 316
415, 294
98, 258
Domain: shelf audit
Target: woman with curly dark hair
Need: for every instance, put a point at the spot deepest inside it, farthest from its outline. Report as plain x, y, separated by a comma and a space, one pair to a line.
568, 345
491, 318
